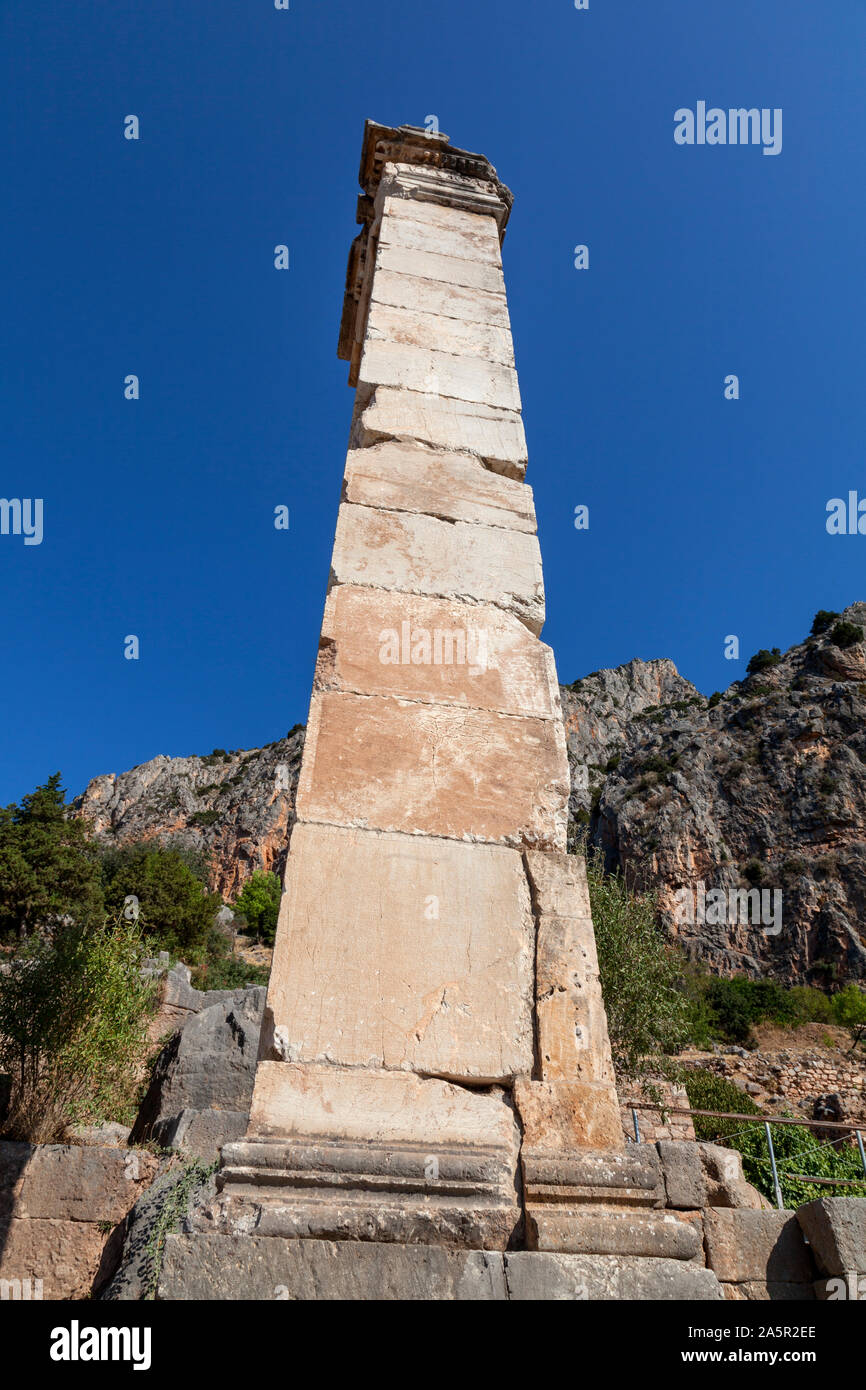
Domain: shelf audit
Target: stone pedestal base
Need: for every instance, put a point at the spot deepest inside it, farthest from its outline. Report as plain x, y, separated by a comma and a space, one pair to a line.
214, 1267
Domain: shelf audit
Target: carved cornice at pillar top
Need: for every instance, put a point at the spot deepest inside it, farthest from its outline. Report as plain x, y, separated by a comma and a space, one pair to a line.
410, 145
421, 165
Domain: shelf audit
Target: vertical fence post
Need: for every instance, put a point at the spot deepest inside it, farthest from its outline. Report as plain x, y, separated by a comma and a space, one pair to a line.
861, 1148
637, 1131
779, 1203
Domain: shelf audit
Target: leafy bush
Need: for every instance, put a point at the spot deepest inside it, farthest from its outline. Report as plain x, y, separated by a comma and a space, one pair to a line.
846, 635
229, 972
763, 660
715, 699
648, 1012
796, 1148
177, 911
822, 620
259, 904
707, 1091
73, 1025
49, 868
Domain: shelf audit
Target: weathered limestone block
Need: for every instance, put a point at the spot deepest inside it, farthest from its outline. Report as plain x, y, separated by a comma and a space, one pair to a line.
494, 436
58, 1203
835, 1228
571, 1023
398, 199
415, 226
685, 1183
559, 886
214, 1267
66, 1182
420, 329
574, 1200
537, 1276
761, 1246
394, 951
755, 1291
399, 476
422, 555
726, 1181
473, 655
266, 1267
615, 1230
393, 765
433, 265
362, 1154
438, 297
559, 1116
426, 369
199, 1094
65, 1255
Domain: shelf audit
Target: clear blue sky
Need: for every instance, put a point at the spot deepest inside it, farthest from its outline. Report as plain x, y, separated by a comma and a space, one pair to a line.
156, 258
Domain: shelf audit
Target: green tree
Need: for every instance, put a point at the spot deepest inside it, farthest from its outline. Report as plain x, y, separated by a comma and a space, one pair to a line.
259, 904
648, 1010
176, 910
49, 866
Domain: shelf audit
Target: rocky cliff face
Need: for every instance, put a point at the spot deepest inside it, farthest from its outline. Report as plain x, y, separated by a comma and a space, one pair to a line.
235, 807
759, 791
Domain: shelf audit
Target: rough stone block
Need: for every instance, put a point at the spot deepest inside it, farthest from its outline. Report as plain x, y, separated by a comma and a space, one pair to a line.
65, 1255
433, 265
477, 656
423, 555
211, 1267
756, 1246
754, 1291
425, 369
538, 1276
571, 1023
558, 883
589, 1230
66, 1182
726, 1182
630, 1176
475, 241
391, 765
415, 328
495, 436
393, 202
209, 1065
560, 1116
394, 951
399, 476
438, 297
685, 1184
835, 1228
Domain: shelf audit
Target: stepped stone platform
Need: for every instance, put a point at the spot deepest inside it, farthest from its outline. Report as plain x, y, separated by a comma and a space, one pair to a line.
264, 1268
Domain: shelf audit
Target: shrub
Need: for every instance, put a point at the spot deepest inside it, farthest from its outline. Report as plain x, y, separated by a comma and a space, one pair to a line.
715, 699
707, 1091
763, 660
822, 620
177, 911
647, 1009
73, 1026
259, 904
846, 635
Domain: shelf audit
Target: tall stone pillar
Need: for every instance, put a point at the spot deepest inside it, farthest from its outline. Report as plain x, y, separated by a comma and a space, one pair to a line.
434, 1002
